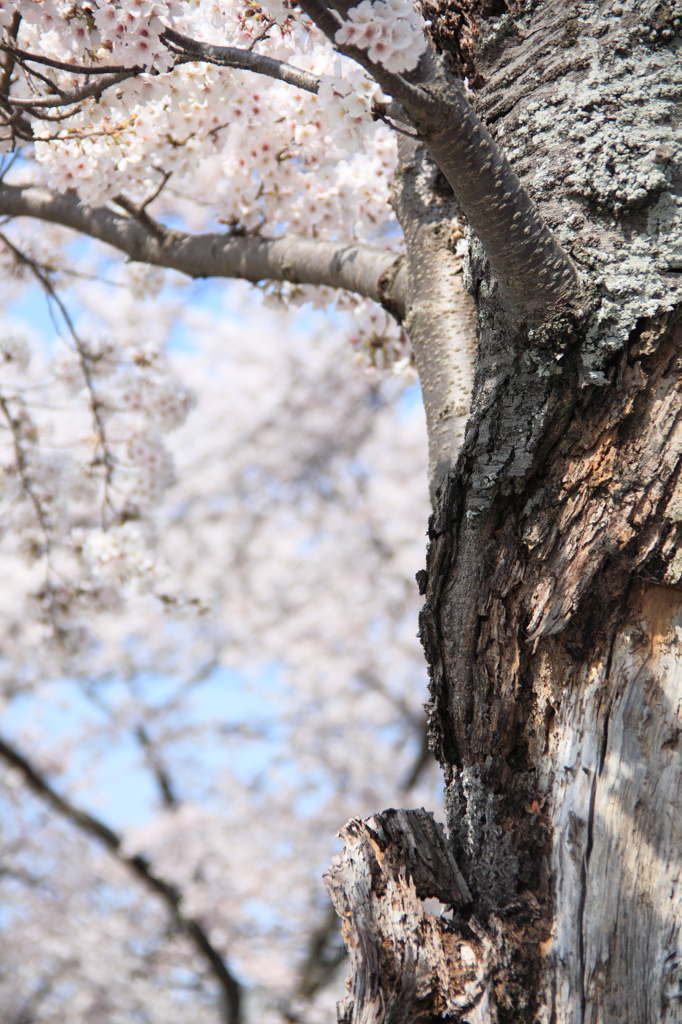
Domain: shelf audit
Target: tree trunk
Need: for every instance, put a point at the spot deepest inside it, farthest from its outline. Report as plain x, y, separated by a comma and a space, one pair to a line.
553, 615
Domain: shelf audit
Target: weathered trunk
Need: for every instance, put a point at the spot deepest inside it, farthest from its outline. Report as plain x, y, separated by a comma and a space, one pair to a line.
557, 703
553, 615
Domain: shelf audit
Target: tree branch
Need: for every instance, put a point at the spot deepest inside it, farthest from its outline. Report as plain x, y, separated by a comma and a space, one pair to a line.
440, 317
226, 56
158, 769
233, 57
60, 65
367, 270
93, 89
534, 272
141, 868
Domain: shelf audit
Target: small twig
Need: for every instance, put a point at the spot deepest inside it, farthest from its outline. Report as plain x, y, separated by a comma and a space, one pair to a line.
263, 35
49, 82
93, 89
166, 176
22, 468
21, 128
378, 115
137, 211
158, 769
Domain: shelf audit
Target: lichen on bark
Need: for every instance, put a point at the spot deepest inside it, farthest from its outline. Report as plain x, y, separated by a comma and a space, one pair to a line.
586, 104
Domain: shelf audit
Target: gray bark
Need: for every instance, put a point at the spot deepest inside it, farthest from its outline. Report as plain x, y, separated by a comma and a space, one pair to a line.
553, 611
404, 958
367, 270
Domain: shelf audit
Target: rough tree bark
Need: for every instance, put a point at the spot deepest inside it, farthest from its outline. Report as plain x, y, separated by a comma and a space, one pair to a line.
553, 615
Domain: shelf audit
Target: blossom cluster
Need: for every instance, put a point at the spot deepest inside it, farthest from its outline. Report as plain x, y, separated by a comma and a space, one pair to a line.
390, 31
348, 102
84, 459
120, 554
380, 343
125, 32
271, 156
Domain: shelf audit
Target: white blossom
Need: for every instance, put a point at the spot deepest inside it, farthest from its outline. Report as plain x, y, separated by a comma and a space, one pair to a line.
119, 554
144, 281
390, 30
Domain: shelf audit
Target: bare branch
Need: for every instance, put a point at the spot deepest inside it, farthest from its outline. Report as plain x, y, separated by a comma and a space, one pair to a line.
366, 270
324, 956
424, 759
17, 427
42, 275
141, 868
233, 57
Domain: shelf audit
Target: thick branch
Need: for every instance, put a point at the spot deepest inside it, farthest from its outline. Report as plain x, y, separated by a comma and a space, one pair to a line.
534, 272
369, 271
141, 868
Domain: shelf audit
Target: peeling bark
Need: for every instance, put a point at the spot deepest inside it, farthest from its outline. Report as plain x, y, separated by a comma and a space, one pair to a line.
406, 962
545, 622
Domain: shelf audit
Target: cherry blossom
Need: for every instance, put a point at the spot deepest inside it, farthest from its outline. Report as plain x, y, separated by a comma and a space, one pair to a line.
390, 31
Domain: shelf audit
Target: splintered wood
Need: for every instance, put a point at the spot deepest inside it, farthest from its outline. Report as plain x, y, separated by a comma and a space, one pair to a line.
407, 964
